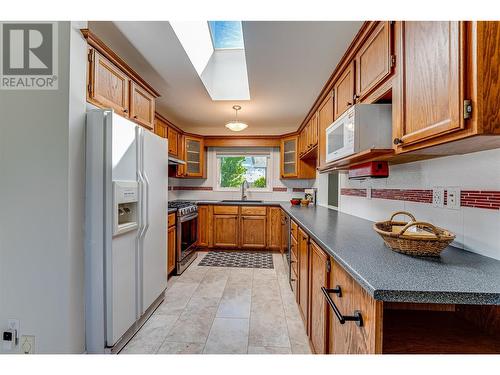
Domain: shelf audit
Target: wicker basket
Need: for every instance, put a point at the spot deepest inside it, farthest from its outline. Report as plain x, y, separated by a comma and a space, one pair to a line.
396, 237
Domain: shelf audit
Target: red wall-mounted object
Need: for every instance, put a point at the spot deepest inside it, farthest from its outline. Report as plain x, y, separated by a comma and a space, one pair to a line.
371, 169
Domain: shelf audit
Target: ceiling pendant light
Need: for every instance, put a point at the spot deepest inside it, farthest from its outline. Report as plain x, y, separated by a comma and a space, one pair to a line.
235, 125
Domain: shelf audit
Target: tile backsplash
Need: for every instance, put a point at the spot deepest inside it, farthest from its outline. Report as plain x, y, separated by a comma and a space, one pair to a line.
409, 188
205, 189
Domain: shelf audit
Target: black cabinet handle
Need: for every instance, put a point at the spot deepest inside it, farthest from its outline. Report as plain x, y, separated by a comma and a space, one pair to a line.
398, 141
342, 318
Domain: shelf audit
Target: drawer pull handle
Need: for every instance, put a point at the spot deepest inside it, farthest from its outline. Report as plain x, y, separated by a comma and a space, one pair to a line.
342, 318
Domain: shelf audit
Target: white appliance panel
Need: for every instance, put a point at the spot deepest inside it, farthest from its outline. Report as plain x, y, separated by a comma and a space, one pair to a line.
154, 242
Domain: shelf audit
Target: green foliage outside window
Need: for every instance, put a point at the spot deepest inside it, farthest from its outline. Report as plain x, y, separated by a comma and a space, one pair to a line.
260, 182
232, 171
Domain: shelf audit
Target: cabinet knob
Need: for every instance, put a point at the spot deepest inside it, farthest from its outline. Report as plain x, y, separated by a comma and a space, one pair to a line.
125, 110
135, 116
349, 103
398, 141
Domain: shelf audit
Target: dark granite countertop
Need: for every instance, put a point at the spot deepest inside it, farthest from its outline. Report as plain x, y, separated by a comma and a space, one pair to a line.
457, 276
240, 203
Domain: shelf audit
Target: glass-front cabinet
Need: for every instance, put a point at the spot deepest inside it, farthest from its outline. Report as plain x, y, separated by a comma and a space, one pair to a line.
194, 157
289, 157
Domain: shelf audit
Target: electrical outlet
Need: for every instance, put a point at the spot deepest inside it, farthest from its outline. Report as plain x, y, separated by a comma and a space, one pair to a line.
453, 198
438, 197
28, 344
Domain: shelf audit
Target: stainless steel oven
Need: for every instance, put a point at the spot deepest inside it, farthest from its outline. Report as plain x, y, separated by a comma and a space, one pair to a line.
187, 233
187, 237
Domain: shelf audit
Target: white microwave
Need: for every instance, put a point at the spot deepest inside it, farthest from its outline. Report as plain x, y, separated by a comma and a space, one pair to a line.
360, 128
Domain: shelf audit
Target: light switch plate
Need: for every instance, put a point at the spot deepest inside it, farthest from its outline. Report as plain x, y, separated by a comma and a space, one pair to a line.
453, 198
438, 196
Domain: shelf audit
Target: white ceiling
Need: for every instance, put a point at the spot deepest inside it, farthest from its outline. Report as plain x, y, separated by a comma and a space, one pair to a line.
288, 64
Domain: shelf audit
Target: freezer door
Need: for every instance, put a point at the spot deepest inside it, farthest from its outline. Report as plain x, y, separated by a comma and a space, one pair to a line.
153, 252
121, 254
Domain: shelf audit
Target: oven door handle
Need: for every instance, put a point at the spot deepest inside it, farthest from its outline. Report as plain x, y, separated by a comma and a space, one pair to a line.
192, 216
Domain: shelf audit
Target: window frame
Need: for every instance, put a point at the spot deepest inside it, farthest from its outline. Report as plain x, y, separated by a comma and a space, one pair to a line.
240, 153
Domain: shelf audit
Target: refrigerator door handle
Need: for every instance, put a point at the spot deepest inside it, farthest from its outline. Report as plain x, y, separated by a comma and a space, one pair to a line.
140, 177
146, 226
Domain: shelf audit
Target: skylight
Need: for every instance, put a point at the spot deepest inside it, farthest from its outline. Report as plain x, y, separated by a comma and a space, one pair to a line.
226, 34
217, 53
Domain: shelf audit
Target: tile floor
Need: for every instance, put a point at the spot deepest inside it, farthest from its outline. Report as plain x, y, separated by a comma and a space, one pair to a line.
217, 310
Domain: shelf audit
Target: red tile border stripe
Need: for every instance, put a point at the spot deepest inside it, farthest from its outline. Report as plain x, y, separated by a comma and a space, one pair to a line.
204, 188
280, 188
487, 199
353, 192
298, 190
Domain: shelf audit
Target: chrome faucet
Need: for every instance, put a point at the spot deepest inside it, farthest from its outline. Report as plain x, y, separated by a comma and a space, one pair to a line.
244, 185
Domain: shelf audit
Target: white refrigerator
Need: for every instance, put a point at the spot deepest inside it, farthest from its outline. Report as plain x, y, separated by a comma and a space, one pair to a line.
125, 228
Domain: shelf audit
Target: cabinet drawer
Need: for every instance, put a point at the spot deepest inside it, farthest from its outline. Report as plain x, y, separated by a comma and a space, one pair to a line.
253, 210
351, 338
293, 262
294, 229
293, 282
171, 219
226, 210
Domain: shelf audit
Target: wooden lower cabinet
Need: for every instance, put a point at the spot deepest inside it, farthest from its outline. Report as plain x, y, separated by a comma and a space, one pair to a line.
171, 244
349, 338
274, 223
303, 260
226, 229
253, 232
318, 278
204, 225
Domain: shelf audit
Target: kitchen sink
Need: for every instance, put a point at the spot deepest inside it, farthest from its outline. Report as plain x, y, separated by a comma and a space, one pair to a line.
241, 201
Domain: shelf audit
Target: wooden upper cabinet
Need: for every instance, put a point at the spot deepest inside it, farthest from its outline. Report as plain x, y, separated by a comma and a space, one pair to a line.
350, 338
289, 157
160, 127
431, 80
274, 223
253, 232
344, 90
173, 142
108, 86
194, 155
319, 268
303, 285
374, 60
142, 106
226, 229
325, 119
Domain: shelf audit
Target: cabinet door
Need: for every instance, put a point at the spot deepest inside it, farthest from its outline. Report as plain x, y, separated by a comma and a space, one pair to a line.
109, 86
431, 80
173, 140
314, 130
325, 119
160, 128
253, 232
142, 106
194, 156
373, 61
226, 230
274, 221
303, 259
349, 338
344, 90
204, 226
318, 311
181, 146
289, 157
171, 250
